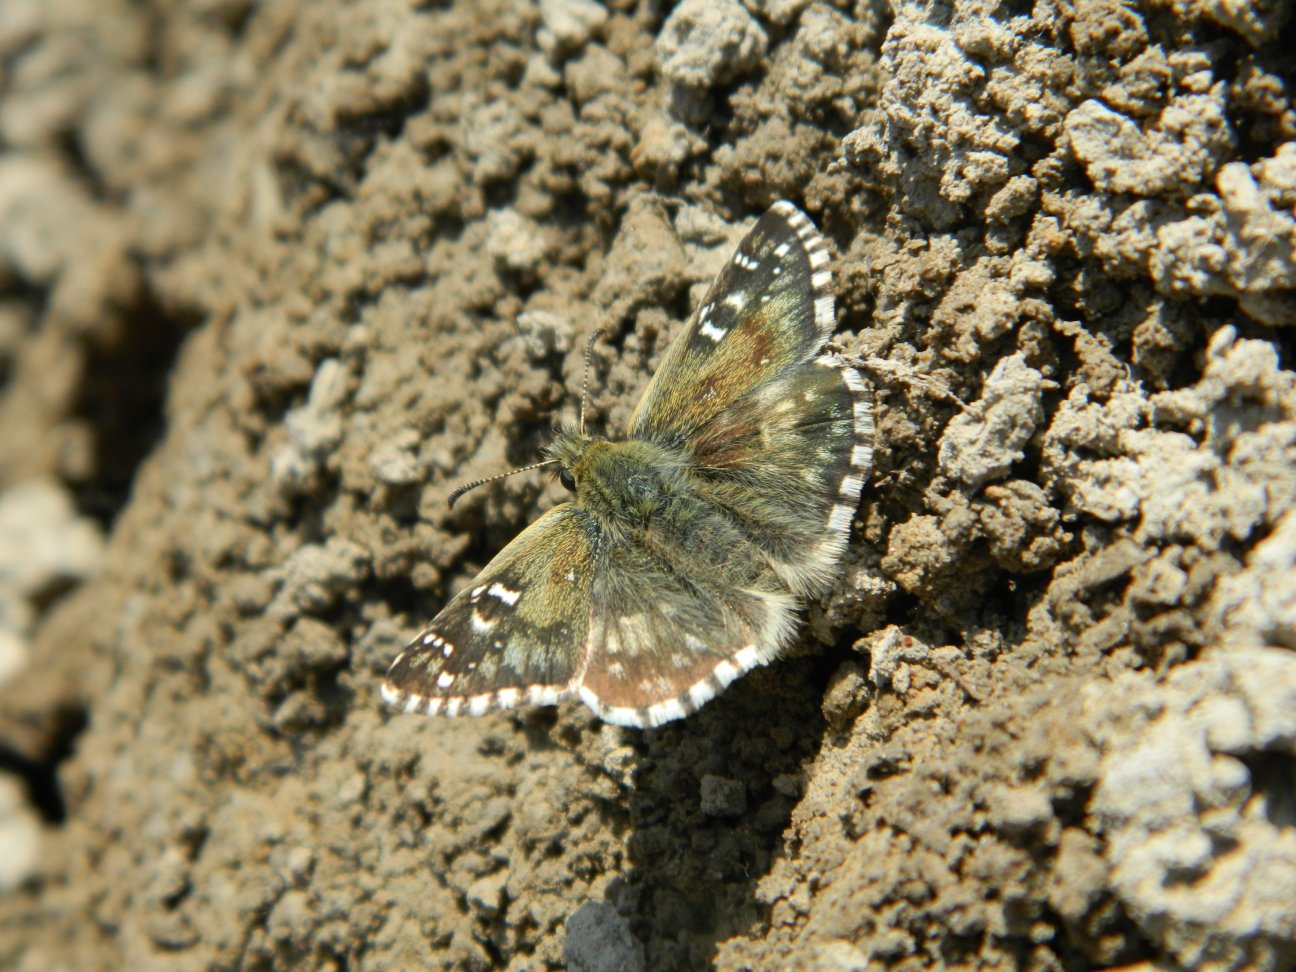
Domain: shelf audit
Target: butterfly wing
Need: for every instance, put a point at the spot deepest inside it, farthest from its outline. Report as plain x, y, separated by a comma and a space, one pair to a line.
771, 307
679, 611
780, 435
513, 636
787, 462
702, 595
643, 631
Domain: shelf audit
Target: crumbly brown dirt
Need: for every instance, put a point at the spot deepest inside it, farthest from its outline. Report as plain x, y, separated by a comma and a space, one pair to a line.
274, 279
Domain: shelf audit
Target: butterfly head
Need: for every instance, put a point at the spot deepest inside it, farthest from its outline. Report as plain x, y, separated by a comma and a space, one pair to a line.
619, 483
567, 452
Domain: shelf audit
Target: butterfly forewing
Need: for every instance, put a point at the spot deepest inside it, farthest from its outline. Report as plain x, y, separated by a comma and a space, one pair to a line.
510, 637
770, 307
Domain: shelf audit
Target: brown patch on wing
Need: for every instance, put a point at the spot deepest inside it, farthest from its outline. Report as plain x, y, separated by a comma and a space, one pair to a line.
645, 680
728, 440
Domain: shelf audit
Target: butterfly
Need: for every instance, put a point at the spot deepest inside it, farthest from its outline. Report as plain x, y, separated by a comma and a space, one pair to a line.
687, 548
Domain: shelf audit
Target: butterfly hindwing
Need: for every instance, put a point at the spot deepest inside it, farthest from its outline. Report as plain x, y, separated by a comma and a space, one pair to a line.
679, 611
788, 461
770, 307
512, 636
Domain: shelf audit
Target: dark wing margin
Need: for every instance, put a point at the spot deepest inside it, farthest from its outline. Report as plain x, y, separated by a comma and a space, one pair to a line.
516, 636
771, 307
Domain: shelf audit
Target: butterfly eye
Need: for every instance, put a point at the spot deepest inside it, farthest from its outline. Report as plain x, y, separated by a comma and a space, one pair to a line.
565, 477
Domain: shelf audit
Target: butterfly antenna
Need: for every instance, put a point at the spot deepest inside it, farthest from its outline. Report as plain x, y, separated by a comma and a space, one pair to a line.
460, 490
589, 347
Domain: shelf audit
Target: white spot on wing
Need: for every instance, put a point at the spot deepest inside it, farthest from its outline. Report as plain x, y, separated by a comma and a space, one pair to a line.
851, 487
509, 597
726, 672
823, 311
852, 379
840, 519
507, 697
542, 695
701, 692
711, 331
666, 711
445, 680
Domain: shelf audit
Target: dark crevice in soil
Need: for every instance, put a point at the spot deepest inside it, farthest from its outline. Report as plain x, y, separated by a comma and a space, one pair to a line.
26, 299
40, 772
122, 399
1273, 775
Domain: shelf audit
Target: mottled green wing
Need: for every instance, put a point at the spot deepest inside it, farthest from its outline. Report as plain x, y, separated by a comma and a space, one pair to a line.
516, 636
770, 308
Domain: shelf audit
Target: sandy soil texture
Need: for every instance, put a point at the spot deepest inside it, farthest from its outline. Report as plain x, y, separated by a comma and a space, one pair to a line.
274, 278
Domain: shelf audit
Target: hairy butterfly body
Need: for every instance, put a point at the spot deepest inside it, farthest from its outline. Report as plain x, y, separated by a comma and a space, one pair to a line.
688, 547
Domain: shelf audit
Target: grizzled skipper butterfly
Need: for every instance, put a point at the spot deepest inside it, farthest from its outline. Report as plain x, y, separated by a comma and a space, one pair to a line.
682, 558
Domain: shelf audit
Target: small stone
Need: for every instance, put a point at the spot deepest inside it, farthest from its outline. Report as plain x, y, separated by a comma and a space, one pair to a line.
486, 894
44, 542
847, 695
722, 797
1020, 809
295, 863
788, 784
705, 43
566, 25
315, 575
395, 462
543, 333
13, 655
599, 940
292, 917
516, 243
618, 759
